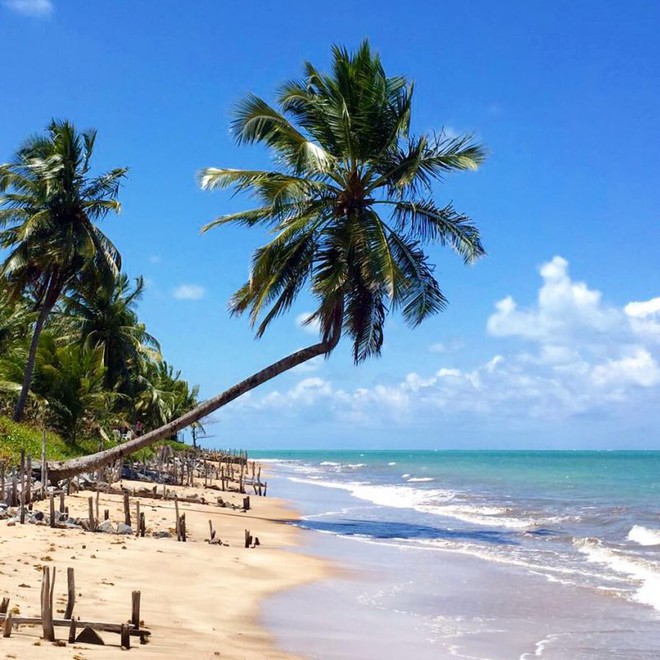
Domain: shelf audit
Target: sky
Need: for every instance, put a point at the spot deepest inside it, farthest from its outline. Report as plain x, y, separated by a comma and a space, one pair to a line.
551, 341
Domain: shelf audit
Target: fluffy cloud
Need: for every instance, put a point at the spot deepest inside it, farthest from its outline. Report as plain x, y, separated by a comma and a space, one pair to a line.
35, 8
189, 292
574, 355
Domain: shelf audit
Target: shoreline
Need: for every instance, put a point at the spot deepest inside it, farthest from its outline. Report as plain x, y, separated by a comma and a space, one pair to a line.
197, 599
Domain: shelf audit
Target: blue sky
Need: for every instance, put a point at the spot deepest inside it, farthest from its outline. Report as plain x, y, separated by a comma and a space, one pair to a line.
541, 346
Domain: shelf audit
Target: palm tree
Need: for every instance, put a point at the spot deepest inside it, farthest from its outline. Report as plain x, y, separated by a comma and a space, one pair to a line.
71, 378
350, 210
103, 314
47, 216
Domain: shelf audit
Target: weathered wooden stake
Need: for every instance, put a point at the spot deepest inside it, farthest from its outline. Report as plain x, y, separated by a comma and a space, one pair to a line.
137, 517
72, 631
6, 628
28, 486
71, 593
178, 520
52, 509
125, 636
135, 610
47, 604
127, 510
92, 522
62, 502
211, 531
182, 527
4, 605
246, 503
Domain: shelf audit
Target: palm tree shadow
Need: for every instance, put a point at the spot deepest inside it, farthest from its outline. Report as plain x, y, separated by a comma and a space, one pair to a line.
383, 529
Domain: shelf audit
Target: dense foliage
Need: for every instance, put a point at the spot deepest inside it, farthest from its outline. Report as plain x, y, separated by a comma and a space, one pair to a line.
71, 343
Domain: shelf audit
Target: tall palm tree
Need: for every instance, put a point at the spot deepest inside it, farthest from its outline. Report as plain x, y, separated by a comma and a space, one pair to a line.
350, 209
47, 222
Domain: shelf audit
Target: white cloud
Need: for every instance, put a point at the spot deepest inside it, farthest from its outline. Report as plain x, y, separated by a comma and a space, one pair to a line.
587, 357
564, 309
189, 292
639, 368
643, 309
35, 8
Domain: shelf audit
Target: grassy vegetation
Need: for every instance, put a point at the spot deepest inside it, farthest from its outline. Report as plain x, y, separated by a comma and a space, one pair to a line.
14, 437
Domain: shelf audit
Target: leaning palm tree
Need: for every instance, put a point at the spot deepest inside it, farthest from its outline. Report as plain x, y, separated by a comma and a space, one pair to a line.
350, 209
47, 223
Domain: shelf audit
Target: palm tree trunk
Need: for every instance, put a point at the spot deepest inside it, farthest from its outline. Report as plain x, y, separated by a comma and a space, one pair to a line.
64, 469
29, 367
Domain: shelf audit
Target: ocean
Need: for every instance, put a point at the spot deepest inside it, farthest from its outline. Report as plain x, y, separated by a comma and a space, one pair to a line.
475, 554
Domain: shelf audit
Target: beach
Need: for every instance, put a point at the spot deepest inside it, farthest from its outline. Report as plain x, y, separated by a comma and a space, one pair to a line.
480, 555
197, 600
365, 555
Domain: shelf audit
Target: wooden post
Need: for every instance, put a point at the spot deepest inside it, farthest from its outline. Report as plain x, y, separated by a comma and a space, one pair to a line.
29, 479
62, 502
2, 482
52, 509
71, 594
44, 465
182, 527
135, 610
14, 490
6, 629
248, 538
92, 522
4, 605
127, 510
137, 517
142, 525
72, 631
211, 531
47, 604
97, 506
125, 636
178, 520
22, 499
106, 514
246, 503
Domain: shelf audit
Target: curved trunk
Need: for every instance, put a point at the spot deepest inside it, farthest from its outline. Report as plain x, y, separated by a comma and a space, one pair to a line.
63, 469
29, 367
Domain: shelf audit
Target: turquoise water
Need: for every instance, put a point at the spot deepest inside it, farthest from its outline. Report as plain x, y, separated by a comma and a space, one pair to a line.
587, 523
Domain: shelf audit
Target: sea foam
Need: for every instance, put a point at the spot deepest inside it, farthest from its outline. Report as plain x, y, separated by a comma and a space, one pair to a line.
644, 535
645, 573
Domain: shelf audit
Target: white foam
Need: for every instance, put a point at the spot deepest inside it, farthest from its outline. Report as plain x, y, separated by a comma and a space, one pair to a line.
356, 465
419, 479
644, 535
645, 573
392, 463
435, 501
330, 463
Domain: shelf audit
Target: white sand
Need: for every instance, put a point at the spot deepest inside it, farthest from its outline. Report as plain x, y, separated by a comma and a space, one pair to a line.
198, 600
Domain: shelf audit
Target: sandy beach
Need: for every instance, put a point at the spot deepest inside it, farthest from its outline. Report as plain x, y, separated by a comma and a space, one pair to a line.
197, 600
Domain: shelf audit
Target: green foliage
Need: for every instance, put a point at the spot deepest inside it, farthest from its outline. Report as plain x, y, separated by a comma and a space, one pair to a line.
16, 436
351, 205
92, 366
48, 210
